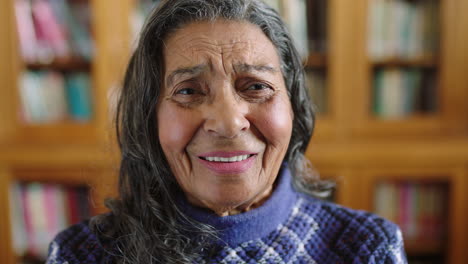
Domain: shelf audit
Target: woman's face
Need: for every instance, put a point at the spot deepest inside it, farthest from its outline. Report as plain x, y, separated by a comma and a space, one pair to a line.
224, 116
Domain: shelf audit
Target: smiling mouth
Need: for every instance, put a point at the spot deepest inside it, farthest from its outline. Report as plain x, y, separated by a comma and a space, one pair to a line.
228, 160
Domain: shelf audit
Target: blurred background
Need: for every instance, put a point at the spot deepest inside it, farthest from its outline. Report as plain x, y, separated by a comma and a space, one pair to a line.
389, 79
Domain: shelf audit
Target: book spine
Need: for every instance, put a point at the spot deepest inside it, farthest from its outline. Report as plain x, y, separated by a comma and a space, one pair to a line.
296, 18
72, 205
19, 232
51, 34
61, 205
26, 31
78, 92
54, 96
84, 210
35, 200
78, 23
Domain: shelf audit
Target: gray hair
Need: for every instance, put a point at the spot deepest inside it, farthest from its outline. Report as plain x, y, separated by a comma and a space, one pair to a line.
145, 223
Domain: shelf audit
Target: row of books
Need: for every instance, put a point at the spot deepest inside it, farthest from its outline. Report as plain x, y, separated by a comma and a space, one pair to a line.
317, 25
316, 84
53, 30
40, 211
400, 92
403, 29
419, 208
306, 20
49, 96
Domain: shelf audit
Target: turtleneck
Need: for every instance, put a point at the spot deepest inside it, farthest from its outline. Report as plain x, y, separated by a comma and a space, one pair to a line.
289, 227
258, 222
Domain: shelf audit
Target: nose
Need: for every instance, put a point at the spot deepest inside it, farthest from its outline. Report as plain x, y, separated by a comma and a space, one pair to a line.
226, 116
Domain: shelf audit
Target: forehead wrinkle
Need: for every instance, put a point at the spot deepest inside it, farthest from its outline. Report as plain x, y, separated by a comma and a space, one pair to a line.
245, 67
195, 70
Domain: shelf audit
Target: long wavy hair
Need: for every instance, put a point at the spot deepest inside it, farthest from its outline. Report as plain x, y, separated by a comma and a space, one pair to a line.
145, 225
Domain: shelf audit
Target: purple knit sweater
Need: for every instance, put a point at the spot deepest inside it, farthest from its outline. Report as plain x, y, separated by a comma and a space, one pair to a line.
290, 227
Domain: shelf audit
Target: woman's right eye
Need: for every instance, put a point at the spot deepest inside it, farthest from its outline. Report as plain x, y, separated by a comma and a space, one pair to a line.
186, 91
188, 95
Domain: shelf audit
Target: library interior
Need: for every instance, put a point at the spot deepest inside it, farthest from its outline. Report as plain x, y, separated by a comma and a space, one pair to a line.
388, 78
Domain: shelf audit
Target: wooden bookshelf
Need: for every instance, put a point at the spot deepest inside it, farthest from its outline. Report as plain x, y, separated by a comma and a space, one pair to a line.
350, 144
423, 62
67, 152
316, 60
69, 64
424, 247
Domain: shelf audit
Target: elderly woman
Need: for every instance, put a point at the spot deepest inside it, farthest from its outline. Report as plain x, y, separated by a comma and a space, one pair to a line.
212, 124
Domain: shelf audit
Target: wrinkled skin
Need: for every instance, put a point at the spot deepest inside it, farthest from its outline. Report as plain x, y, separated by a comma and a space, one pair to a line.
223, 91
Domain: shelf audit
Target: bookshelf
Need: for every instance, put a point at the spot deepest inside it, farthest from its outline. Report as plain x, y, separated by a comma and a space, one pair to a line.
440, 63
66, 152
350, 144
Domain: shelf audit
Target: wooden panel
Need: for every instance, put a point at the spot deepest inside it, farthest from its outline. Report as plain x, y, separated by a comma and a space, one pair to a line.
454, 77
104, 186
113, 41
341, 58
6, 249
7, 71
57, 134
458, 217
386, 153
67, 155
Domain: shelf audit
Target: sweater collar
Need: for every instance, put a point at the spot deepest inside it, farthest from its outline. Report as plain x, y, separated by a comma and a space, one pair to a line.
256, 223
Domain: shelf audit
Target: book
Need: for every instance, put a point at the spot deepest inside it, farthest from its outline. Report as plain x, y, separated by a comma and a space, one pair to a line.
53, 95
399, 29
400, 92
392, 95
377, 28
17, 219
26, 31
419, 208
52, 31
72, 205
79, 97
79, 23
40, 211
317, 25
36, 206
316, 85
42, 95
295, 16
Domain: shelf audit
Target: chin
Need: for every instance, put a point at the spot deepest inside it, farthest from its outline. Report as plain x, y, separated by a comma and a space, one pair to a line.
228, 201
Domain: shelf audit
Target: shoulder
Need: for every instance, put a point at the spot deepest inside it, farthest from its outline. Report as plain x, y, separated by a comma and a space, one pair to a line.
354, 236
77, 244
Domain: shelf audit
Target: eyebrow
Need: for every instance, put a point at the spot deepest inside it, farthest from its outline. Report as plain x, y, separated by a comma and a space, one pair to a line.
197, 69
244, 67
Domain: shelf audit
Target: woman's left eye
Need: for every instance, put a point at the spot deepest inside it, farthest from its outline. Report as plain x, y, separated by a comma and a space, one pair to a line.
258, 86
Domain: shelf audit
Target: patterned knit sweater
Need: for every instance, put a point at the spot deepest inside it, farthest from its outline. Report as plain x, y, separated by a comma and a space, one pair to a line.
288, 228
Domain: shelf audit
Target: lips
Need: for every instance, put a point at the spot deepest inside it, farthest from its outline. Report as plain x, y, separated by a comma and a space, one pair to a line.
228, 162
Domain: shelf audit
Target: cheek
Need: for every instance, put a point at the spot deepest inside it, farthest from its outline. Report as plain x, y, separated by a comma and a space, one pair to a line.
275, 122
176, 128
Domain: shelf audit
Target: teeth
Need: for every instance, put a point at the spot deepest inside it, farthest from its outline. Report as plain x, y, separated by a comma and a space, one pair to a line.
231, 159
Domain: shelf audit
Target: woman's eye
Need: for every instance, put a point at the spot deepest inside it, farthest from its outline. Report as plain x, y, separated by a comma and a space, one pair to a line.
258, 86
186, 91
